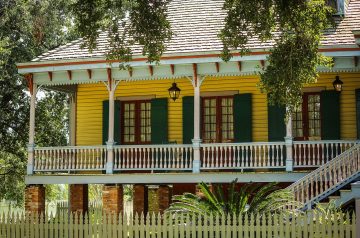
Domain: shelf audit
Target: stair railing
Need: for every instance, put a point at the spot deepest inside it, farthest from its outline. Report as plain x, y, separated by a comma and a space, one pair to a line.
322, 181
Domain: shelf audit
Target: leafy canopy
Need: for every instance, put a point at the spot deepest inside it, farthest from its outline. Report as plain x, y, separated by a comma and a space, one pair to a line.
126, 23
27, 29
295, 26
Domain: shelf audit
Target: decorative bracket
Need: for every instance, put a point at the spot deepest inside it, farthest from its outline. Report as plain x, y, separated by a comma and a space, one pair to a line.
50, 76
172, 68
111, 84
89, 73
69, 74
262, 62
30, 82
217, 67
151, 70
355, 61
239, 65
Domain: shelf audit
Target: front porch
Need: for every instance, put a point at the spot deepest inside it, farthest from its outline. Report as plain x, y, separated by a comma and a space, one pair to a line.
119, 126
170, 158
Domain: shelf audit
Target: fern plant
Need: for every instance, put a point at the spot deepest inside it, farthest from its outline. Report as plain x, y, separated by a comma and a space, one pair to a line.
250, 198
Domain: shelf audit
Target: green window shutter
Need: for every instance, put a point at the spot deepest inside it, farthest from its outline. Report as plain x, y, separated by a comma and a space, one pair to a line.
243, 117
188, 119
105, 128
105, 121
276, 123
330, 115
117, 122
159, 121
357, 99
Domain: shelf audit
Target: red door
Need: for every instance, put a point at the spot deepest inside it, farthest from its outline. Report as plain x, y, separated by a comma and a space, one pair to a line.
307, 120
307, 126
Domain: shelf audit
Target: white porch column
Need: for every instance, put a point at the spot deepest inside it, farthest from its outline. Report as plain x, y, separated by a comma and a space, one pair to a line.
72, 119
111, 86
196, 141
289, 145
31, 144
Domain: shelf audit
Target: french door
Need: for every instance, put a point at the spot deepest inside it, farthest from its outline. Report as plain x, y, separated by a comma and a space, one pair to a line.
136, 122
306, 121
217, 119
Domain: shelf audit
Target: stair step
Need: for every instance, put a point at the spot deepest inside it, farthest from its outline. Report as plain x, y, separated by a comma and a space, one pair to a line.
331, 198
345, 191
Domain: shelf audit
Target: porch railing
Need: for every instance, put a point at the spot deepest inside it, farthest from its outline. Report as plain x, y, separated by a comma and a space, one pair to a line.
243, 155
69, 158
225, 156
317, 153
153, 157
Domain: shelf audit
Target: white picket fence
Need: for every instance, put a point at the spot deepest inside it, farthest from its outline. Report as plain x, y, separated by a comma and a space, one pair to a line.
179, 226
243, 155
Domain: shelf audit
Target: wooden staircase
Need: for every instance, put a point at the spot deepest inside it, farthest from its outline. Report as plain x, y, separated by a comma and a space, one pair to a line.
329, 178
344, 196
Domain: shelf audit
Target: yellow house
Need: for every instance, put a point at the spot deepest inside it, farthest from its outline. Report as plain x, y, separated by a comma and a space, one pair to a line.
125, 129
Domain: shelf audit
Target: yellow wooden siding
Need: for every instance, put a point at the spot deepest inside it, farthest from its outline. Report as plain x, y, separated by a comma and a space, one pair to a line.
347, 100
90, 97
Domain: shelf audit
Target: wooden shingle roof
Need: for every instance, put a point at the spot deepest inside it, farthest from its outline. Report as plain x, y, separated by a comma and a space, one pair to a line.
196, 25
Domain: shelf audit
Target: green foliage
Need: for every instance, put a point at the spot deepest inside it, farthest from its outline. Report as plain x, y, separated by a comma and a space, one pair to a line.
126, 23
27, 29
295, 26
250, 198
56, 192
95, 192
11, 168
54, 108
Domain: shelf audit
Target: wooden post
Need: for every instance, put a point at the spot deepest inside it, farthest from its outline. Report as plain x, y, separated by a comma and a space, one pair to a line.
196, 141
72, 119
31, 144
289, 145
110, 143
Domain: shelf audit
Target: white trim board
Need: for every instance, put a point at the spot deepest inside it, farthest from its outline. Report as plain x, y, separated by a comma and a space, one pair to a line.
169, 178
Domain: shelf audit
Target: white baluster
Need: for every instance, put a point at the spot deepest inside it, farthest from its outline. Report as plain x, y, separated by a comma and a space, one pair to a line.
221, 159
126, 158
163, 157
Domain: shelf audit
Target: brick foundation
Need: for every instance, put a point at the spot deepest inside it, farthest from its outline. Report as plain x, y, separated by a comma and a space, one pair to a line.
181, 188
35, 198
112, 198
164, 196
78, 198
140, 202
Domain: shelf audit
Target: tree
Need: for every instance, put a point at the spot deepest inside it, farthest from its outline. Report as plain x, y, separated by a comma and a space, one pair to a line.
250, 198
126, 23
27, 29
296, 27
